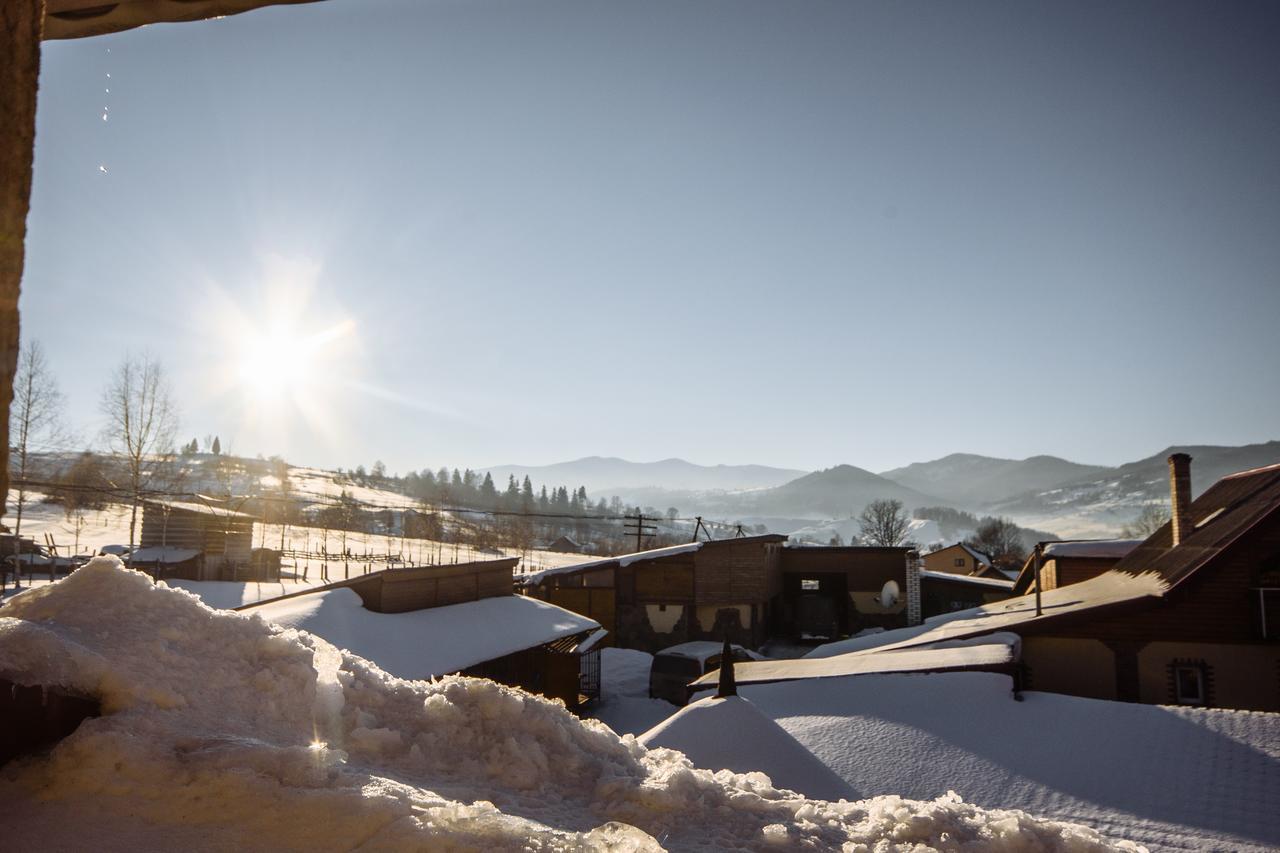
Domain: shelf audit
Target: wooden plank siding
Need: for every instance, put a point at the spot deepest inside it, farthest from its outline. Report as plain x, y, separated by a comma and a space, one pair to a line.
402, 590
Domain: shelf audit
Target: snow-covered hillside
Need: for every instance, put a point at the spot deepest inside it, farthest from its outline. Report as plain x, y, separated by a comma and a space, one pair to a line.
279, 741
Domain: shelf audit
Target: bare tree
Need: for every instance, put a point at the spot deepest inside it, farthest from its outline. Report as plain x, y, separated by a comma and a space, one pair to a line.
34, 419
142, 420
1001, 540
884, 522
1152, 518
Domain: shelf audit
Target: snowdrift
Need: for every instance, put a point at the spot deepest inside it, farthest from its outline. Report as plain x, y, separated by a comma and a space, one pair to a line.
222, 731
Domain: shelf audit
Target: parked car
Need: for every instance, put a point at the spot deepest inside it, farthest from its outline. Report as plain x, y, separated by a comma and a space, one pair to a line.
675, 667
120, 551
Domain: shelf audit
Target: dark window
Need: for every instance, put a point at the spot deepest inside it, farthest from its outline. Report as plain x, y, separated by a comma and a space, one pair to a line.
1188, 682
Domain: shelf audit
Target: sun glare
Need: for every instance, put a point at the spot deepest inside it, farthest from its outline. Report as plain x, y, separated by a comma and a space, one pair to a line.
287, 351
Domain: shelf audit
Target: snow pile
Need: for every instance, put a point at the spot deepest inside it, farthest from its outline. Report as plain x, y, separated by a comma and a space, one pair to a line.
222, 731
1171, 778
429, 642
730, 734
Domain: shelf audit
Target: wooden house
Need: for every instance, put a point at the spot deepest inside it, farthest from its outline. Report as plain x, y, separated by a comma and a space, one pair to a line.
654, 599
1072, 561
962, 559
430, 621
196, 541
1189, 617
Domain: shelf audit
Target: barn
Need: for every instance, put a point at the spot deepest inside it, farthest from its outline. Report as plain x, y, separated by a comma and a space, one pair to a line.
195, 541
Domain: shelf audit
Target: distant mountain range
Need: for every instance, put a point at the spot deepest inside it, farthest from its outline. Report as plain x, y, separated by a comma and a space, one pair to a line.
1044, 492
608, 475
968, 480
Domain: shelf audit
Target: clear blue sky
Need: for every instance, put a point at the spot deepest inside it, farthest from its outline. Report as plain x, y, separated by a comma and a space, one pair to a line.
788, 233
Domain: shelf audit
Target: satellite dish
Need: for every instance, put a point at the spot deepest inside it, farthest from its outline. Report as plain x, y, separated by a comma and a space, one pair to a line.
889, 594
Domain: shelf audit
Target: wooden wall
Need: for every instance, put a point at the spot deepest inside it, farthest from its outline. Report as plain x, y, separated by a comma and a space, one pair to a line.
402, 590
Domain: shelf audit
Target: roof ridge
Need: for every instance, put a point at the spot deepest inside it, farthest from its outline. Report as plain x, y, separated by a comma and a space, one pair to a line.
1249, 472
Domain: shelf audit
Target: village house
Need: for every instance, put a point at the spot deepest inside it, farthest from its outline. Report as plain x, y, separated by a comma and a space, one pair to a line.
962, 559
196, 541
653, 599
747, 588
1067, 562
1189, 617
430, 621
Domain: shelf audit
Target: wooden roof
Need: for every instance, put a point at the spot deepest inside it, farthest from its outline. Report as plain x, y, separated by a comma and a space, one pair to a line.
70, 19
1230, 508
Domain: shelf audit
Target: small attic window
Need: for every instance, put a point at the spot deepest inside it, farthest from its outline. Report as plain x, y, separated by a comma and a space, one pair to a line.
1210, 517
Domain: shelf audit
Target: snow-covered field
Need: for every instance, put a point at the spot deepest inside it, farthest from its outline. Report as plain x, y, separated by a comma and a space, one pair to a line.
223, 732
925, 533
367, 551
1171, 778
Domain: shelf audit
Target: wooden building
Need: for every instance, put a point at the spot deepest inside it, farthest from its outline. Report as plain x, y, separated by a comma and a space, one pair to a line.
654, 599
1072, 561
748, 588
195, 541
962, 559
1191, 616
430, 621
835, 591
944, 592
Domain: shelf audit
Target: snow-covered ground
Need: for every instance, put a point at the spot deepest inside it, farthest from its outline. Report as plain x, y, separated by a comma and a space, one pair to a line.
624, 703
221, 731
1171, 778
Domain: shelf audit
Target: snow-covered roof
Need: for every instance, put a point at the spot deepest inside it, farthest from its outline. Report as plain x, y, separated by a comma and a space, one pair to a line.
164, 555
1175, 779
973, 579
431, 642
535, 578
731, 734
992, 652
701, 650
203, 509
976, 554
1106, 589
1113, 548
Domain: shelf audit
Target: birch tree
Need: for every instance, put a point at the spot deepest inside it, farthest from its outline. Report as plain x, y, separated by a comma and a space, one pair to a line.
142, 421
35, 421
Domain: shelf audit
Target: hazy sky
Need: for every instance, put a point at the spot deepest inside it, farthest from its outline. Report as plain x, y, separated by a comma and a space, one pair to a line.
791, 233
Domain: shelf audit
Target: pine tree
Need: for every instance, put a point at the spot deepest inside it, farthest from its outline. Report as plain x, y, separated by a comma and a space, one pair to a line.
217, 446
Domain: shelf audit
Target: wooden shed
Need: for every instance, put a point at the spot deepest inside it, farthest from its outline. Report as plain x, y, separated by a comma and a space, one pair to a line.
429, 621
196, 541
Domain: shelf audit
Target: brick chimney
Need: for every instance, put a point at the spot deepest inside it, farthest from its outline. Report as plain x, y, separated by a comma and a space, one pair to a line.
1180, 496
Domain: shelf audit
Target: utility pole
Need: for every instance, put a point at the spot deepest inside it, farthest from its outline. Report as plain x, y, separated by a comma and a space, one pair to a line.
635, 524
1039, 547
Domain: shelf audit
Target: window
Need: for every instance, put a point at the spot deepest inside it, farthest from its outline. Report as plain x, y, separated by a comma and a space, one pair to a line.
809, 585
1188, 681
959, 562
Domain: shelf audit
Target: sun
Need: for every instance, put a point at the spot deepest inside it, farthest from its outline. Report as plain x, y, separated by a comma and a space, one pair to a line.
275, 363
